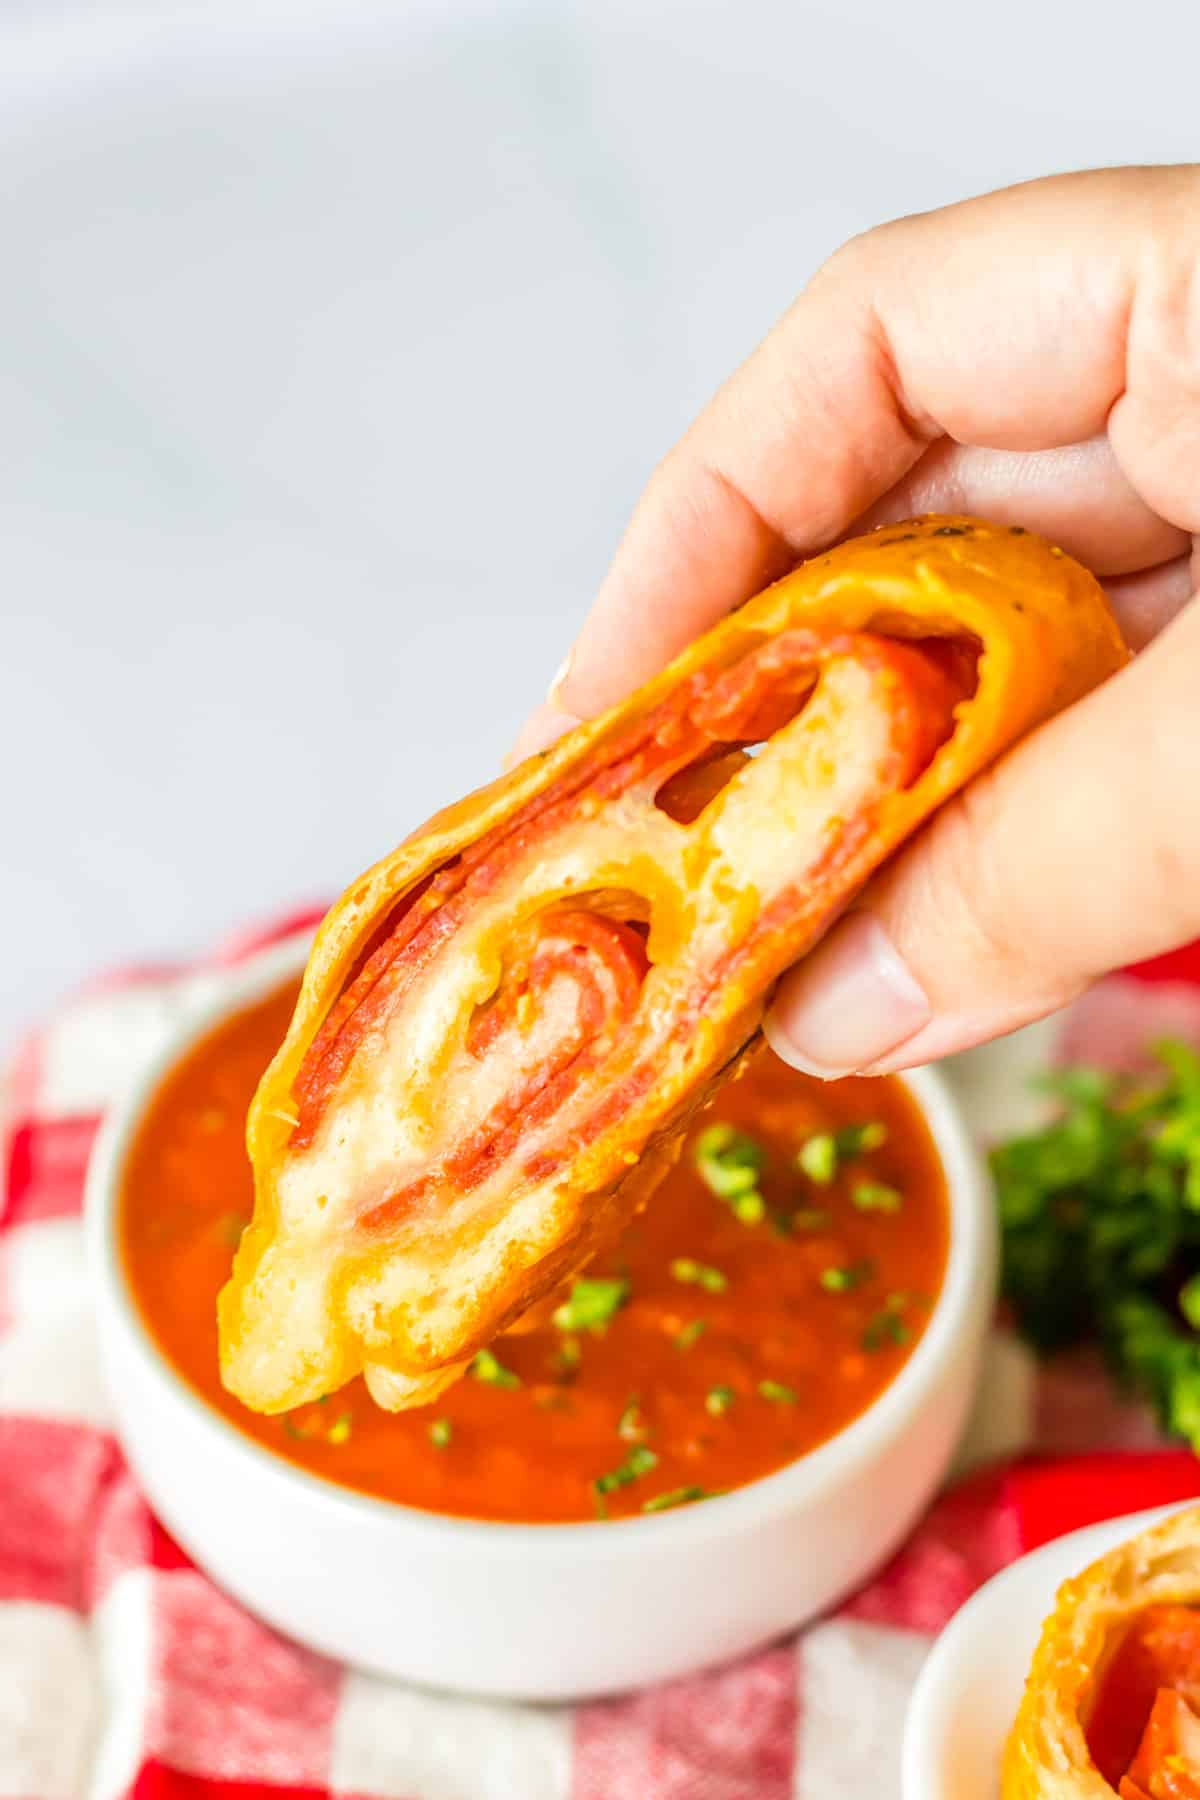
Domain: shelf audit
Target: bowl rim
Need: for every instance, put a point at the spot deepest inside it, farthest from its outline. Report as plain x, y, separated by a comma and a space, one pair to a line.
967, 1288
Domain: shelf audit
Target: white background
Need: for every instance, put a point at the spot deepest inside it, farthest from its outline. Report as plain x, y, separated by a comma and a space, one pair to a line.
335, 343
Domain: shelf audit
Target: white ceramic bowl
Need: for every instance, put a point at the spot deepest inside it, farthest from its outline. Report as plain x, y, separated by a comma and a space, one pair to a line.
541, 1611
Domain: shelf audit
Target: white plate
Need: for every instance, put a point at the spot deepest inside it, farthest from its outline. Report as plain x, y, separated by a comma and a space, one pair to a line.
970, 1687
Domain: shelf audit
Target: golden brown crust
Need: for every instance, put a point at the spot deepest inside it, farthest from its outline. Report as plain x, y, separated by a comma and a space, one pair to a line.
1047, 1756
1048, 620
1045, 637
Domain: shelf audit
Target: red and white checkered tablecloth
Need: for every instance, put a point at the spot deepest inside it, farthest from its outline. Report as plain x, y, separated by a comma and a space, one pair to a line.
124, 1671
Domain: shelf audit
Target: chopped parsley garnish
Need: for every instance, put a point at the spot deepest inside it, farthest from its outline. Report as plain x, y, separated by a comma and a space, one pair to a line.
592, 1303
639, 1462
817, 1158
440, 1433
680, 1496
693, 1330
339, 1431
845, 1278
778, 1391
856, 1140
877, 1196
696, 1274
749, 1208
1100, 1216
730, 1164
488, 1368
718, 1400
883, 1328
820, 1155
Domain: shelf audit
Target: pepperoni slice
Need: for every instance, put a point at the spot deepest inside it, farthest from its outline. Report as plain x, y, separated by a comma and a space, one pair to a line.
685, 749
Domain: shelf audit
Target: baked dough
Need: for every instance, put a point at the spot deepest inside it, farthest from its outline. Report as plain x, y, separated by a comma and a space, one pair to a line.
1047, 1755
506, 1024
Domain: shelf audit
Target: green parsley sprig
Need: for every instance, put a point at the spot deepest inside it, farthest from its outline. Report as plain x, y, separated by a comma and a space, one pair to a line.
1100, 1215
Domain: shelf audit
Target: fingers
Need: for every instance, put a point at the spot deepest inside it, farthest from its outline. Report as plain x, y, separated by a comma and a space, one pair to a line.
1145, 604
1078, 853
1078, 496
545, 724
1020, 322
798, 443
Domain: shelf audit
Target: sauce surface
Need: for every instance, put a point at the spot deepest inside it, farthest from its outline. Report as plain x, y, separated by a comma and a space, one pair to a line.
732, 1330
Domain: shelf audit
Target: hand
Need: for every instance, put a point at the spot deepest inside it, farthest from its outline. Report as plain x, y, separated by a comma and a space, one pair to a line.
1031, 356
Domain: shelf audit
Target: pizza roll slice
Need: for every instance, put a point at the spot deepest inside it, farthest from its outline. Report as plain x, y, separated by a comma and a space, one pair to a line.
1112, 1700
505, 1025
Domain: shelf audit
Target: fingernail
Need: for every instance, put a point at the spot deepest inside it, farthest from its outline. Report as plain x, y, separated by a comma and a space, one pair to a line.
559, 681
544, 726
847, 1005
547, 722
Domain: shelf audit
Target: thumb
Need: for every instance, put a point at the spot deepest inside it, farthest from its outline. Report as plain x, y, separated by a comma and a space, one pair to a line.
1077, 853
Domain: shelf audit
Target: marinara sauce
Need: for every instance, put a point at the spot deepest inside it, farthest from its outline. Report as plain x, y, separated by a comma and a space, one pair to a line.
773, 1287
